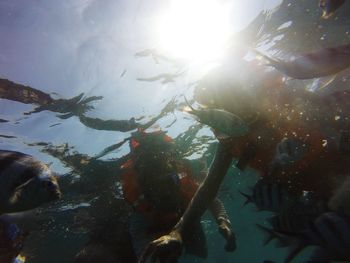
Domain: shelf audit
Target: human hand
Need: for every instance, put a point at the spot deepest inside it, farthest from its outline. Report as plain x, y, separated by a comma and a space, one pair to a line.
226, 232
166, 249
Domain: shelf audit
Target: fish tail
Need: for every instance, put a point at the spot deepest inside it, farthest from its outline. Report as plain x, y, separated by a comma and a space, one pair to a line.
284, 239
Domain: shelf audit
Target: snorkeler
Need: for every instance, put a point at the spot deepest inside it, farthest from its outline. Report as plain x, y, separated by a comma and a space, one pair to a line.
292, 140
168, 247
159, 186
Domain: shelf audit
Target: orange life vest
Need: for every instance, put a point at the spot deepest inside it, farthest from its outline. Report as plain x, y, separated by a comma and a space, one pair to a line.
132, 190
133, 195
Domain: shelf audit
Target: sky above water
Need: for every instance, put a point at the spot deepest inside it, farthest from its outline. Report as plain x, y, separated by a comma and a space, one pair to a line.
68, 47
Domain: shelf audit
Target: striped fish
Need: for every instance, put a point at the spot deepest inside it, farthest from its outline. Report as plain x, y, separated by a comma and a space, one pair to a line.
330, 232
296, 216
268, 196
224, 123
25, 183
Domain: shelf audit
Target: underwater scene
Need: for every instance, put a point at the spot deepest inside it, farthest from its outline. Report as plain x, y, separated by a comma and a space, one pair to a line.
164, 131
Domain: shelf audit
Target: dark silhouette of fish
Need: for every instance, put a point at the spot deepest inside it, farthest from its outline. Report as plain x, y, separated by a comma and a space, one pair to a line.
7, 136
268, 196
329, 7
53, 125
296, 216
25, 182
123, 73
224, 123
330, 232
155, 55
321, 63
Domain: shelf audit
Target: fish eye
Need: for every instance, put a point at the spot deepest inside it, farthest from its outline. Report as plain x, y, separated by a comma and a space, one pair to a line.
48, 184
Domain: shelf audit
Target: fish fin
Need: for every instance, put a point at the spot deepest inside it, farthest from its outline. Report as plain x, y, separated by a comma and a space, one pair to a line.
290, 238
284, 239
327, 80
220, 135
293, 251
269, 234
272, 61
248, 200
271, 219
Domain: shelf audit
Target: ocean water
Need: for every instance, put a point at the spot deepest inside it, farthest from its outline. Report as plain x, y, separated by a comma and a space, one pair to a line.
97, 72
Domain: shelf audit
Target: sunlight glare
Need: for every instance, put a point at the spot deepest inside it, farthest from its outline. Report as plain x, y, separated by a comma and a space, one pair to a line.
195, 30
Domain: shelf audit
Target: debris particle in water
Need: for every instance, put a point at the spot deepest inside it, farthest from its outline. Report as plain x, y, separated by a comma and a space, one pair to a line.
324, 143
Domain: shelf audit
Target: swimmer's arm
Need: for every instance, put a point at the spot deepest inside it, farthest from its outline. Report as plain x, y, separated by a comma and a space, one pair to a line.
207, 190
169, 247
218, 211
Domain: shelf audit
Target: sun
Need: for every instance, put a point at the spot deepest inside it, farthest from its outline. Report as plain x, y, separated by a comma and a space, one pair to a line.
195, 30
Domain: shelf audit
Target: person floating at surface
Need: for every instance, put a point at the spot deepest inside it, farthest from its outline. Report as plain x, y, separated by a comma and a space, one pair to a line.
168, 248
159, 185
278, 119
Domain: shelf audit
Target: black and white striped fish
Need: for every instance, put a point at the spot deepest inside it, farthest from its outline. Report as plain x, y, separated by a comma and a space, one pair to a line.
25, 182
268, 196
330, 232
295, 217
